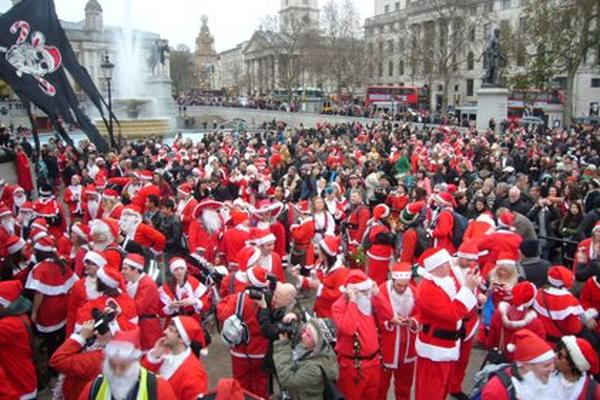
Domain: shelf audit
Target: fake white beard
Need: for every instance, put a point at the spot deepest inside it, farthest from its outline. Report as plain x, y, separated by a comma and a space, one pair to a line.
9, 225
364, 304
128, 223
264, 186
120, 386
531, 388
19, 200
402, 304
447, 285
24, 219
211, 221
93, 207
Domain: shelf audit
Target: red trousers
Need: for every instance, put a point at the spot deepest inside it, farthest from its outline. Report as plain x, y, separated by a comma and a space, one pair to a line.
378, 269
403, 379
433, 379
249, 373
461, 366
356, 385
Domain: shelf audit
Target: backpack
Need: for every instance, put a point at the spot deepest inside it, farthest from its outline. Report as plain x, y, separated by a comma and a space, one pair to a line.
235, 331
486, 374
458, 228
423, 241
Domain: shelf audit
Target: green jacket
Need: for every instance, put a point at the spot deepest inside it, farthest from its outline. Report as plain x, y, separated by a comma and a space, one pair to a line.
303, 379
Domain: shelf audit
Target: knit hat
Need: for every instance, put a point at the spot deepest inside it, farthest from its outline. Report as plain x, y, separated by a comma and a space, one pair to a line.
81, 230
259, 237
320, 332
560, 276
134, 260
524, 294
506, 219
95, 258
381, 211
177, 262
332, 245
258, 276
189, 330
506, 258
401, 270
9, 292
435, 257
14, 244
356, 279
468, 250
582, 354
125, 345
529, 348
445, 198
529, 248
206, 204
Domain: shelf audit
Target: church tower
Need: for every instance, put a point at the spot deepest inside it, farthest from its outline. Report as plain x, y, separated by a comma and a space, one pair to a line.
303, 14
93, 16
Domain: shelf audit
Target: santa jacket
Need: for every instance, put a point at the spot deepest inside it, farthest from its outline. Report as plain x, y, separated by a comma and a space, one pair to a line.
16, 355
471, 320
233, 241
397, 341
234, 282
258, 343
559, 311
127, 317
378, 251
191, 288
495, 389
72, 198
140, 197
478, 227
491, 245
184, 372
82, 291
115, 212
79, 366
202, 242
185, 212
443, 228
328, 290
146, 236
357, 224
303, 233
440, 316
590, 298
409, 246
147, 304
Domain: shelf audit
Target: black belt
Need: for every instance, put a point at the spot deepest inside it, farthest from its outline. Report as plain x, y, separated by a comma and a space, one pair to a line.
444, 333
147, 316
353, 357
553, 339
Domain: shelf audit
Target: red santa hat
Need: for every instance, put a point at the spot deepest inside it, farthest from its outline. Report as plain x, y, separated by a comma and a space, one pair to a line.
9, 292
27, 206
331, 245
524, 294
259, 237
125, 345
185, 189
266, 207
91, 190
177, 262
18, 190
100, 182
258, 276
146, 175
529, 348
445, 198
14, 244
582, 354
434, 257
596, 227
110, 277
40, 224
239, 217
560, 276
357, 280
4, 212
95, 258
303, 207
507, 258
506, 219
247, 257
468, 250
411, 212
401, 270
134, 260
81, 230
189, 330
110, 194
380, 211
46, 243
206, 204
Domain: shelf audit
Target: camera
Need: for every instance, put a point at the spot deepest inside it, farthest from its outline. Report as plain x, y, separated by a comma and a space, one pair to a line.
289, 329
256, 292
103, 319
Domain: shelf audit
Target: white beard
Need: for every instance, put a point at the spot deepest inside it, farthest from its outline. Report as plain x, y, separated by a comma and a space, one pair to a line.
93, 207
9, 225
402, 304
531, 388
364, 304
211, 221
120, 386
447, 284
128, 224
19, 200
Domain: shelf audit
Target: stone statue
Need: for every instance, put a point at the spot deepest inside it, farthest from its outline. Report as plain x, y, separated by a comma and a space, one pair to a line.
158, 55
493, 61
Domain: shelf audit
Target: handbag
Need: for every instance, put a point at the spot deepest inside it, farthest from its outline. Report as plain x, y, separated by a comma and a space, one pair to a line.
330, 390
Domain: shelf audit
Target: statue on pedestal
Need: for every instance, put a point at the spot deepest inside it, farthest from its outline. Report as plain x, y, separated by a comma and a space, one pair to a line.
493, 61
158, 56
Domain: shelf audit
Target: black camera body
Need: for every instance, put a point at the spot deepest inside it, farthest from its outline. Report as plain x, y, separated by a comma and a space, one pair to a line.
103, 319
256, 292
290, 329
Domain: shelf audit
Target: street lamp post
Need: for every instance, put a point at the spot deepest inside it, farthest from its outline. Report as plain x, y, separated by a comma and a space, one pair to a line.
107, 67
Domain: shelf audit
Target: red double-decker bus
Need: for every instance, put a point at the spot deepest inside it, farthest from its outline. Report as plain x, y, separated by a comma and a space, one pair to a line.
398, 97
532, 102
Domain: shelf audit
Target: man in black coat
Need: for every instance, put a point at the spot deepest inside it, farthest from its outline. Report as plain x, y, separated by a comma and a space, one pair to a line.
535, 268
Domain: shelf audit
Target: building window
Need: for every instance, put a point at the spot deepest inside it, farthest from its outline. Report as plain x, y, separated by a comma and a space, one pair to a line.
595, 83
397, 6
387, 8
391, 46
456, 87
469, 87
401, 67
305, 2
390, 68
380, 47
506, 4
489, 5
371, 48
380, 69
470, 61
487, 31
472, 33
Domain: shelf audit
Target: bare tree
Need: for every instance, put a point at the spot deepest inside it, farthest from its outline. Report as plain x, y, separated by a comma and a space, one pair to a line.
182, 68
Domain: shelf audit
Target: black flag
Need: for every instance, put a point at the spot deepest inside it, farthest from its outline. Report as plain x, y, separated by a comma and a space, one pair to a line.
34, 53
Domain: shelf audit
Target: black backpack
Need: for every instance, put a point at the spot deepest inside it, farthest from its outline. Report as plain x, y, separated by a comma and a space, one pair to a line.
458, 228
423, 241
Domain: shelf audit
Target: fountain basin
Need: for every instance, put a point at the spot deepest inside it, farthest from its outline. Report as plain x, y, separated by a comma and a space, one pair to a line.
137, 128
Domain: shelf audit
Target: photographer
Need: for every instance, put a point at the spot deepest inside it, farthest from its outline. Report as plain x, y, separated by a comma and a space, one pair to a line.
300, 368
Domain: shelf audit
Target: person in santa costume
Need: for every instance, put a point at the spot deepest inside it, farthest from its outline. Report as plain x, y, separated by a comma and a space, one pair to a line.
50, 280
85, 289
147, 188
6, 193
324, 222
111, 204
19, 198
480, 226
92, 205
247, 358
80, 238
528, 377
46, 206
329, 275
265, 256
381, 245
576, 362
235, 238
104, 234
8, 225
182, 294
123, 376
175, 358
186, 205
13, 266
442, 304
410, 224
24, 219
394, 308
356, 224
502, 278
144, 292
590, 301
442, 221
266, 214
357, 346
205, 230
24, 176
587, 255
558, 309
302, 233
16, 354
510, 317
139, 232
502, 239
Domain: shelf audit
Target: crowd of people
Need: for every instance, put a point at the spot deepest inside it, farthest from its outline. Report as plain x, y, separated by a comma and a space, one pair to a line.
350, 259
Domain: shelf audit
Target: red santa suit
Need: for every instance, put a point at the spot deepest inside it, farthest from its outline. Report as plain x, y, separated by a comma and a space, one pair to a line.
247, 359
379, 255
356, 226
83, 290
396, 203
115, 212
397, 341
203, 242
73, 199
192, 288
559, 311
145, 295
479, 227
24, 178
139, 200
590, 298
441, 307
502, 239
185, 211
148, 237
443, 225
328, 291
357, 346
233, 241
302, 249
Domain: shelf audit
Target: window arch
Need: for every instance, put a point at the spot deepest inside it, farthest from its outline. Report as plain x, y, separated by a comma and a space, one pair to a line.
470, 61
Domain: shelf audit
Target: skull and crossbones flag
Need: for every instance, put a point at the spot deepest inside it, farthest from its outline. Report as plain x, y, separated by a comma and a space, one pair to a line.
35, 56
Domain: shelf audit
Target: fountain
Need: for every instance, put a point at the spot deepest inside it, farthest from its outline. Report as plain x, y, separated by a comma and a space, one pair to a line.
142, 83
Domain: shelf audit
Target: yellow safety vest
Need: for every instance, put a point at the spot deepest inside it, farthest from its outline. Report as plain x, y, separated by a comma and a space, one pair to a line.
104, 391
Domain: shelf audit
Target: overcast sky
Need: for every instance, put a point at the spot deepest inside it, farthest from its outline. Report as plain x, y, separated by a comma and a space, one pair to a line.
230, 21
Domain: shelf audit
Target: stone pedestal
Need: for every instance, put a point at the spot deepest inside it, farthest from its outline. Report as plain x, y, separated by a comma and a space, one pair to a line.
491, 103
